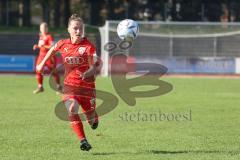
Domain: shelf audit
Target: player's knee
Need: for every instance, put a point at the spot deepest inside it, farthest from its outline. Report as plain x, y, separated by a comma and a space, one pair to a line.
38, 74
72, 106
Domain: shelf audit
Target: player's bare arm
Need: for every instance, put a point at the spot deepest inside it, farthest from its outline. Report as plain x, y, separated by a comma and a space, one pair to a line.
90, 72
48, 55
92, 68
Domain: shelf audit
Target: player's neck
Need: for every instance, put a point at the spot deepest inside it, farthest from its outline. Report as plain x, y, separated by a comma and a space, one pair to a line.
44, 33
75, 40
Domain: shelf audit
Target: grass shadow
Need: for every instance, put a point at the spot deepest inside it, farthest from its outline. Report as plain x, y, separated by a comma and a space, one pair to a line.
159, 152
194, 152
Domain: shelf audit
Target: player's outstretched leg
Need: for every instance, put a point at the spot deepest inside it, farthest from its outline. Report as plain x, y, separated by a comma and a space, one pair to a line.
40, 89
72, 106
88, 108
94, 125
92, 119
77, 127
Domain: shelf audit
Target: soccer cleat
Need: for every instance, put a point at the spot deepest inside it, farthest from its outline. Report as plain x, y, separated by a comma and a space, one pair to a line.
59, 90
38, 90
85, 146
94, 125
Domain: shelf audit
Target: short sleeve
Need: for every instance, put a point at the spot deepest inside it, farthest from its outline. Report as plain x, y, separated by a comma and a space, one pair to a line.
58, 46
92, 51
92, 54
94, 58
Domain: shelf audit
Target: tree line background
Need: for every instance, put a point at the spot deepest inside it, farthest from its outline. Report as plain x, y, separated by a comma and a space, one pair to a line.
95, 12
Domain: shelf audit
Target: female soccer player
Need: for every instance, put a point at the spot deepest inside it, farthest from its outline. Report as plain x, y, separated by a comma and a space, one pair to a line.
44, 44
79, 82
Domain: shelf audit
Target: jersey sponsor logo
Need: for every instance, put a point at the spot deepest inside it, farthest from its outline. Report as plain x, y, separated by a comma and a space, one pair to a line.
74, 60
81, 50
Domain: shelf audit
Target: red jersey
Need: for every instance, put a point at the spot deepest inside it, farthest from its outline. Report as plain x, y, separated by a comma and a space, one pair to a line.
77, 59
44, 40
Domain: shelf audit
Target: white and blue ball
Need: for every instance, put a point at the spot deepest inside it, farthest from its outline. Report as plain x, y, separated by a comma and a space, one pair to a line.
127, 29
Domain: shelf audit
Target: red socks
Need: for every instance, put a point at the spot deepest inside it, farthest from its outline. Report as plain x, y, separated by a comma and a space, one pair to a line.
77, 126
56, 77
39, 77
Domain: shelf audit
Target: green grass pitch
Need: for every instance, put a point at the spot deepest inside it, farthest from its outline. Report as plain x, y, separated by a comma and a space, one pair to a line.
208, 129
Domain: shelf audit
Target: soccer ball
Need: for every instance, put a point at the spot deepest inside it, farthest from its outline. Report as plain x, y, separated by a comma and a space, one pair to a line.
127, 29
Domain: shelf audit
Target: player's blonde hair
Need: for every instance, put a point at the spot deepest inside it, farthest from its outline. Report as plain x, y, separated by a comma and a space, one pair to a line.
75, 17
43, 27
44, 24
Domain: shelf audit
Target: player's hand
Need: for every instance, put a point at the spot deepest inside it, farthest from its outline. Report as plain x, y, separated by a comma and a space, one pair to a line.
39, 46
90, 72
35, 46
39, 68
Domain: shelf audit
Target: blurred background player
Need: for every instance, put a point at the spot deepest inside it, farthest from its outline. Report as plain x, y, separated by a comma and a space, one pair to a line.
79, 57
44, 44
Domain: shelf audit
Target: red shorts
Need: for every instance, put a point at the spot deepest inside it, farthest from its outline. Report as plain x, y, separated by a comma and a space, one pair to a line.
86, 97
